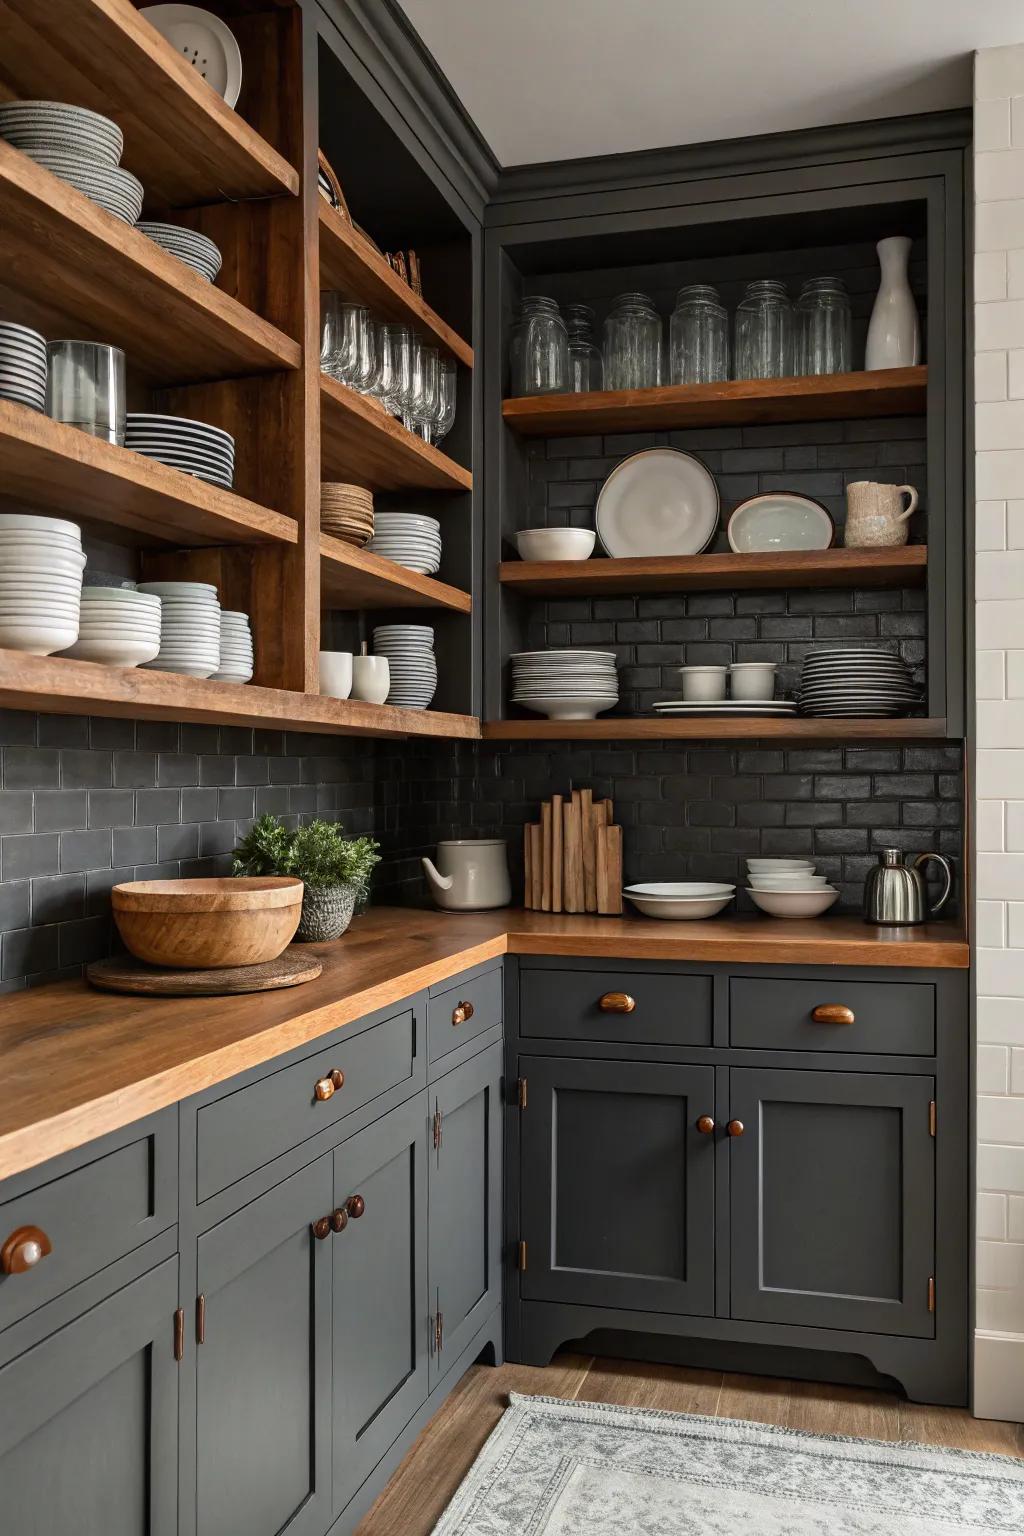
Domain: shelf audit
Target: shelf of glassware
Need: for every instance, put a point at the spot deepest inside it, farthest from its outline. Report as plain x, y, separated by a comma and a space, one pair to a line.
714, 728
361, 443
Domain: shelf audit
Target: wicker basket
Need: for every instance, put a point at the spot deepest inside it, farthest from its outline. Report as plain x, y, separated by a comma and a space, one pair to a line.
326, 913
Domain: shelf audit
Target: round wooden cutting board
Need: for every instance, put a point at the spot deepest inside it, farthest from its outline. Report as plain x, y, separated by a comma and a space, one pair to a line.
126, 974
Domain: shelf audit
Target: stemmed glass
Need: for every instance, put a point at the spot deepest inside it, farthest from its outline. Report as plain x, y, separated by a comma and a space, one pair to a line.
447, 417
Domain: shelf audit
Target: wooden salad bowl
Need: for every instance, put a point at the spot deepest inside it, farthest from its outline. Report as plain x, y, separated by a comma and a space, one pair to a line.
201, 924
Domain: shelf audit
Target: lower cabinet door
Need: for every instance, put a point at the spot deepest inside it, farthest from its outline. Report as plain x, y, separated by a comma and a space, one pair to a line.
465, 1205
88, 1421
263, 1393
617, 1184
380, 1291
833, 1200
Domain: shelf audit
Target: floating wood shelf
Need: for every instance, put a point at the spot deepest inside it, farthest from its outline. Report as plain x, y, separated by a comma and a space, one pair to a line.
348, 261
712, 728
904, 567
820, 397
356, 578
57, 685
56, 468
76, 263
361, 443
182, 140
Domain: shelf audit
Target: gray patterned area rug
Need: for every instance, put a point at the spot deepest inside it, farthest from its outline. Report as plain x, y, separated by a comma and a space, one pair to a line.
554, 1468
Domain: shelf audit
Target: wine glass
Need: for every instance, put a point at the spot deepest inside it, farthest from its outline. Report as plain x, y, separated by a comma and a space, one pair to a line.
448, 378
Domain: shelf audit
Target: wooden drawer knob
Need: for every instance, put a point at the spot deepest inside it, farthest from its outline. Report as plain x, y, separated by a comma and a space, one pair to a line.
706, 1125
617, 1002
24, 1249
327, 1087
832, 1013
462, 1012
735, 1128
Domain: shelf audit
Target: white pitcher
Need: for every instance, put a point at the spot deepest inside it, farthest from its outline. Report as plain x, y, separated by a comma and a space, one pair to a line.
473, 874
894, 335
875, 514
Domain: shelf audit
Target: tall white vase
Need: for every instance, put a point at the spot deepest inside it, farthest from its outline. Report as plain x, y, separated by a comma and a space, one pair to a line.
894, 335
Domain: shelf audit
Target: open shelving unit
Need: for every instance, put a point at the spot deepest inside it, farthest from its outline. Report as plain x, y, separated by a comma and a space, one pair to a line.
712, 728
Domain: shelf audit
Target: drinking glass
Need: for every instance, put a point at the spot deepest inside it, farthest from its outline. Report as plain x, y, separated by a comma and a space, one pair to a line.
698, 337
586, 365
764, 332
423, 396
448, 379
85, 387
631, 343
823, 326
539, 348
393, 346
336, 336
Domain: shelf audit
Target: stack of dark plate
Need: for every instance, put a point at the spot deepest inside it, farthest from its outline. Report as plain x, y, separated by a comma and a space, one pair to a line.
191, 446
868, 684
80, 146
22, 365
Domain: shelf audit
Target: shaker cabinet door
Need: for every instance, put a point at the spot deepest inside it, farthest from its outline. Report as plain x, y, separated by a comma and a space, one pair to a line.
833, 1200
617, 1202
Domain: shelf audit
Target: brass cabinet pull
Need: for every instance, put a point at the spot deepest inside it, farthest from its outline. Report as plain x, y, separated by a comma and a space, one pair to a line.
23, 1250
832, 1013
617, 1002
462, 1012
201, 1319
706, 1125
322, 1228
327, 1087
735, 1128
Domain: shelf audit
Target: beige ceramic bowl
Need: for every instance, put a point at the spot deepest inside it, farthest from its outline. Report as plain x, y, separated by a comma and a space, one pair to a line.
202, 924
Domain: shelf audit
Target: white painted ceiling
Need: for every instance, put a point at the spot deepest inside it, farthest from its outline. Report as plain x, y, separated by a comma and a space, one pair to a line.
556, 79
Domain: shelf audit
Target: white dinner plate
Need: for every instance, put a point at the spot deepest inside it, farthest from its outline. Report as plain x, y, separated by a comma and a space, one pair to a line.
657, 502
204, 40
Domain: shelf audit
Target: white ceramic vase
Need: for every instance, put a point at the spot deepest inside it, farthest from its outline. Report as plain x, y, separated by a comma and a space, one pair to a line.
894, 335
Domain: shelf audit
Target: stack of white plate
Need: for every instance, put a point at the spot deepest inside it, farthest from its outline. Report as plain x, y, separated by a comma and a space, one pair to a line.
236, 660
408, 539
686, 899
870, 684
194, 249
41, 565
565, 685
22, 365
119, 627
189, 628
409, 649
192, 446
768, 708
79, 146
789, 888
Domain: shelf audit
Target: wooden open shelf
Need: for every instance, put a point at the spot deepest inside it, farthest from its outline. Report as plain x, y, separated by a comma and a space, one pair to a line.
712, 728
361, 443
350, 263
70, 258
903, 567
185, 144
747, 402
58, 685
355, 578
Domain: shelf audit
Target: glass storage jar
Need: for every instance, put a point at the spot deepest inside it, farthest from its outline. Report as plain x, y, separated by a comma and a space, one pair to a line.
538, 349
586, 367
764, 332
823, 326
631, 343
698, 347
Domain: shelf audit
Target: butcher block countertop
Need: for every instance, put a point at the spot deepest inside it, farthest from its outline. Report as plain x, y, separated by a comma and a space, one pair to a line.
76, 1063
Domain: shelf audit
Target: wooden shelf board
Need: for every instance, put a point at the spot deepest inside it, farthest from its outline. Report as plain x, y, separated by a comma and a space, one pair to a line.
182, 140
57, 685
349, 262
68, 256
904, 567
887, 392
361, 443
355, 578
56, 468
712, 728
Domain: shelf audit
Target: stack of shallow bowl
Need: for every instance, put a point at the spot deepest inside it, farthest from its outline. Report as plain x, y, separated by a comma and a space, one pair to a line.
189, 629
408, 539
188, 245
80, 146
236, 659
565, 685
192, 446
409, 649
789, 888
346, 512
119, 627
686, 899
41, 565
22, 365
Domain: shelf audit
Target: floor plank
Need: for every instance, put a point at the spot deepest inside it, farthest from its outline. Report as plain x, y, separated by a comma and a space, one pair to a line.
634, 1384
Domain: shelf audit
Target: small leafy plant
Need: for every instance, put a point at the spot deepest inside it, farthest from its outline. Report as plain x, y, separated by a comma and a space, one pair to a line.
318, 854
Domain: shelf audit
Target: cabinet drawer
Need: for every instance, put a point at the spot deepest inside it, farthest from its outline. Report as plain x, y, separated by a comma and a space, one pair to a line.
250, 1127
90, 1214
883, 1017
467, 1009
584, 1005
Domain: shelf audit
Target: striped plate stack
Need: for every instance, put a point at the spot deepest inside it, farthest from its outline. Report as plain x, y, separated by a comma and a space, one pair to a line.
346, 512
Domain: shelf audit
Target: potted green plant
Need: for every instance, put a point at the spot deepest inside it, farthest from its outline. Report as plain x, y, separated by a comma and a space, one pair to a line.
335, 870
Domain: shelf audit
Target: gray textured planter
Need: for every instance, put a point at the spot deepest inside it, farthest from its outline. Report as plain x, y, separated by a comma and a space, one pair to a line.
326, 913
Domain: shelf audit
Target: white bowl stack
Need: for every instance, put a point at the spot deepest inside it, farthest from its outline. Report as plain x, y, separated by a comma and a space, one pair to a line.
191, 446
118, 627
789, 888
858, 682
565, 685
236, 656
408, 539
22, 365
41, 565
409, 649
188, 245
189, 627
81, 147
680, 899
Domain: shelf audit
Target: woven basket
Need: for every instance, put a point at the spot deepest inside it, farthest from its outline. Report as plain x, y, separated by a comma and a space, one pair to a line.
326, 913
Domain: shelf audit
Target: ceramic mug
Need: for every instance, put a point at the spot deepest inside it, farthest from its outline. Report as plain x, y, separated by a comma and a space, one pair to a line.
336, 674
875, 514
703, 685
751, 681
371, 678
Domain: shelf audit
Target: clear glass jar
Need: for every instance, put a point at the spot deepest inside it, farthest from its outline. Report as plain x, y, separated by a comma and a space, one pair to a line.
538, 349
586, 366
631, 343
698, 347
823, 327
764, 332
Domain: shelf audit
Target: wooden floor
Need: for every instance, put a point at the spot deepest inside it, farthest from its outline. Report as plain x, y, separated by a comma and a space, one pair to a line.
413, 1501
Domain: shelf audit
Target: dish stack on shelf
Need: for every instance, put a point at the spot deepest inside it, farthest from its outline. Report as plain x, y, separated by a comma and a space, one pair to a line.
41, 565
565, 685
191, 446
82, 147
409, 539
346, 512
188, 245
189, 629
688, 900
409, 649
869, 684
119, 627
22, 366
236, 654
789, 888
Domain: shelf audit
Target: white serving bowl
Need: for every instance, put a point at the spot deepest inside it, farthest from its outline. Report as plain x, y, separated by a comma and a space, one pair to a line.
681, 908
795, 903
114, 651
39, 638
781, 883
555, 543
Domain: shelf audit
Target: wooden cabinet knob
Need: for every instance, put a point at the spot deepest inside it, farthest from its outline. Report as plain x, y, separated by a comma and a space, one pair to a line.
706, 1125
832, 1013
24, 1249
462, 1012
735, 1128
327, 1087
355, 1205
617, 1002
322, 1228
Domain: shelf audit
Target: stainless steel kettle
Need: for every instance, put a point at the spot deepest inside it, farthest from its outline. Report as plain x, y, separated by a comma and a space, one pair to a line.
895, 892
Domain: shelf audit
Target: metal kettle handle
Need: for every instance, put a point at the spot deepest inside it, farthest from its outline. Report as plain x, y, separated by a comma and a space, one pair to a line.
923, 858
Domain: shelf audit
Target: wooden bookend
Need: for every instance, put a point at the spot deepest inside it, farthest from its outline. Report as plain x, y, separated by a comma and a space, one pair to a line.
557, 829
545, 855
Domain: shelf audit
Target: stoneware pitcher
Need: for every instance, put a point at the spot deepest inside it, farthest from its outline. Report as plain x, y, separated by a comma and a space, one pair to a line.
471, 874
875, 514
894, 333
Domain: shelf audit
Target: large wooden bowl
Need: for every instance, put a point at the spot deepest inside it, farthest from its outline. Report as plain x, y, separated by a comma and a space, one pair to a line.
195, 925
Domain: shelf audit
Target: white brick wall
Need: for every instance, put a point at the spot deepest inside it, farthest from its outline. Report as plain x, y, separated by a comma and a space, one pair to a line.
999, 777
